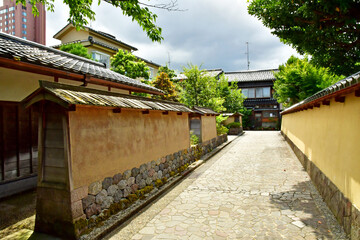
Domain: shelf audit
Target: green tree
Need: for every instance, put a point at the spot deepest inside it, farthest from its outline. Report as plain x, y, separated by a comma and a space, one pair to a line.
299, 79
80, 13
328, 30
127, 64
164, 83
231, 94
165, 69
77, 49
199, 89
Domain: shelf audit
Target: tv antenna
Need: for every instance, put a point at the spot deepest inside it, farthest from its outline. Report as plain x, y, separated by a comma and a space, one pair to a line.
248, 55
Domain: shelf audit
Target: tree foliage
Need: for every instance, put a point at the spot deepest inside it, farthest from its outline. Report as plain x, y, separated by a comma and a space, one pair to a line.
77, 49
127, 64
200, 89
165, 69
80, 13
299, 79
164, 83
328, 30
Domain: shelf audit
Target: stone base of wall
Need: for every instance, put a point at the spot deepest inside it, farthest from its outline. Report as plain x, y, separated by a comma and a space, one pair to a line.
345, 212
235, 131
116, 193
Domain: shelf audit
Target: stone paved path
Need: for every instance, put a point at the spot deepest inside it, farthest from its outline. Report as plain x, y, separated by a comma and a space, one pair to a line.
253, 189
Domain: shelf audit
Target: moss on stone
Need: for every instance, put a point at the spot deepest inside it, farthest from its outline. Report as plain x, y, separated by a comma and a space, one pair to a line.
80, 225
132, 198
158, 183
125, 203
172, 173
164, 180
148, 189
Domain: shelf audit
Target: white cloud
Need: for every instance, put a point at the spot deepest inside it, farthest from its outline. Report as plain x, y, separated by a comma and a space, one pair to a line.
210, 32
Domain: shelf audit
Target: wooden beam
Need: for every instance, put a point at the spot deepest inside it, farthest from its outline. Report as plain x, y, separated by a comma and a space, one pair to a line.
2, 152
165, 113
357, 93
56, 79
317, 105
326, 102
340, 99
72, 108
310, 107
179, 113
17, 119
145, 112
117, 110
30, 140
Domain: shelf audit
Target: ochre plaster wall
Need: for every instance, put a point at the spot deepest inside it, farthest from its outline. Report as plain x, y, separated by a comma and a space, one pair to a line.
104, 143
329, 137
208, 128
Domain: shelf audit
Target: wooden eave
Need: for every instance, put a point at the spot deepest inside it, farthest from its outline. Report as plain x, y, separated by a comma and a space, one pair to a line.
325, 100
48, 71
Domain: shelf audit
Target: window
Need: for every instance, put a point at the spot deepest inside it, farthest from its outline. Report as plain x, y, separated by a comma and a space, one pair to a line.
23, 31
24, 26
0, 18
6, 16
11, 8
151, 71
6, 28
24, 38
24, 14
24, 19
13, 27
13, 14
261, 92
6, 23
13, 33
101, 57
0, 24
23, 7
13, 20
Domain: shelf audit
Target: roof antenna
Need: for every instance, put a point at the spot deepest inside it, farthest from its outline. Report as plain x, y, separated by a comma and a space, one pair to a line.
248, 55
169, 59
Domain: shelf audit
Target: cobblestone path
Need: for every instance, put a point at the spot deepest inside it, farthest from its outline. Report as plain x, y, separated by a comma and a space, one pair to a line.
255, 188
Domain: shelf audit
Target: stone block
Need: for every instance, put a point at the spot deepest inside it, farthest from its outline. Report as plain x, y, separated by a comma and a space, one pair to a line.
130, 181
143, 168
122, 184
126, 192
134, 172
134, 188
148, 181
151, 172
87, 201
107, 202
101, 196
142, 183
138, 178
107, 183
117, 178
117, 196
95, 188
93, 209
126, 174
112, 190
77, 209
78, 194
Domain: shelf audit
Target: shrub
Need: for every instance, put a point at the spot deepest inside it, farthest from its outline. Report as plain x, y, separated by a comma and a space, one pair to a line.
194, 139
233, 125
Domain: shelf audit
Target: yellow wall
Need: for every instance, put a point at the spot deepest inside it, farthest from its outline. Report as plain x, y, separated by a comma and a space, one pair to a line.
74, 35
208, 128
104, 143
329, 137
16, 85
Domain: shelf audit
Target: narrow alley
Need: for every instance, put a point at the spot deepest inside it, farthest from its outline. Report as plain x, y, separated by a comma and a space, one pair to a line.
255, 188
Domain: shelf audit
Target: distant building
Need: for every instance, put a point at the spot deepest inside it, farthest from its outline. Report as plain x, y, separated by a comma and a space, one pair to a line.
18, 20
101, 46
257, 86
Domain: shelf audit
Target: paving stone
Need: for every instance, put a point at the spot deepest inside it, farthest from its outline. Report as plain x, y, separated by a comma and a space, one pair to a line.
242, 192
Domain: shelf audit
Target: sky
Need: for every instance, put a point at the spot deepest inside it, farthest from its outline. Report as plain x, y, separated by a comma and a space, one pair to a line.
210, 33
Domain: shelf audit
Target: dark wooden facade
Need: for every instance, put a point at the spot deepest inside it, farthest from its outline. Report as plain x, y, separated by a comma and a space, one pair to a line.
19, 141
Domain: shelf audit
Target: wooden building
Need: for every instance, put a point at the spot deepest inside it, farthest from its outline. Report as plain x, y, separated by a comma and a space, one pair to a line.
257, 86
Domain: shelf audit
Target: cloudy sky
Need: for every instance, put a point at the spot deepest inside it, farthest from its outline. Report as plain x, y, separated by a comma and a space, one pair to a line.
210, 32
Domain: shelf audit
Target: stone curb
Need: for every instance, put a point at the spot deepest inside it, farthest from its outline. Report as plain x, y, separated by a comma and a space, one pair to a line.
111, 224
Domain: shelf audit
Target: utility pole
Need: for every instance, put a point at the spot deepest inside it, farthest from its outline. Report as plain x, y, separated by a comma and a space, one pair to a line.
248, 55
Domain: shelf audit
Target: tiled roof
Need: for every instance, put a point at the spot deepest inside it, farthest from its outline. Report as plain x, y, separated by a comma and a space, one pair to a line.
73, 95
208, 73
107, 35
203, 110
26, 51
251, 76
92, 41
333, 89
